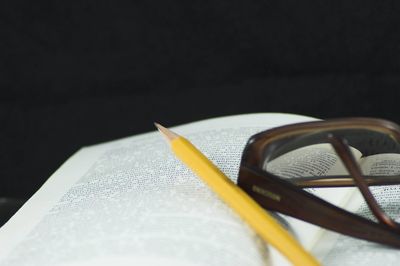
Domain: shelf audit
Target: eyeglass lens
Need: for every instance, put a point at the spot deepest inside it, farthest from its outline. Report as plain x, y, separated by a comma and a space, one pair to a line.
310, 161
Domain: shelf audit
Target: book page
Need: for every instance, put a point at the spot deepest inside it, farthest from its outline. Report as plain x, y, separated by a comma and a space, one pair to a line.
131, 201
352, 251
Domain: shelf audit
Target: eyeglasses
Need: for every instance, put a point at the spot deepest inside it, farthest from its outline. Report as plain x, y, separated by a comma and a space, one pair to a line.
280, 166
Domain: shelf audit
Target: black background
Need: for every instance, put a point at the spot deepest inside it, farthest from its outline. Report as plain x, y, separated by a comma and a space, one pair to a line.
74, 74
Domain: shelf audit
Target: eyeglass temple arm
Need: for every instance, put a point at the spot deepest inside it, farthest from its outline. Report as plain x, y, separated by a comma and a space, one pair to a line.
343, 151
275, 194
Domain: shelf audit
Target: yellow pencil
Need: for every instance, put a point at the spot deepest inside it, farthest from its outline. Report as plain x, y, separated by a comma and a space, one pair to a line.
258, 219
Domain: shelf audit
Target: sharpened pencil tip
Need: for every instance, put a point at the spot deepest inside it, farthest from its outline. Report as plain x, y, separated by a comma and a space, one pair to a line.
157, 125
168, 134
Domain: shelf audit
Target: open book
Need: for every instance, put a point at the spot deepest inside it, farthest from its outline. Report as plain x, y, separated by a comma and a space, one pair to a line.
130, 202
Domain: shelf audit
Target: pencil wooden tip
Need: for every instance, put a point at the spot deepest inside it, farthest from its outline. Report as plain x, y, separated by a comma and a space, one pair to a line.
168, 134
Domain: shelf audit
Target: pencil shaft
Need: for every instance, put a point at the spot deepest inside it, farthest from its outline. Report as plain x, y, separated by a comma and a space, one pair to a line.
258, 219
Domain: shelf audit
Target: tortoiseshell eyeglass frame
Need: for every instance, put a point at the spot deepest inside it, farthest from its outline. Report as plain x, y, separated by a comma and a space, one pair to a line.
287, 197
